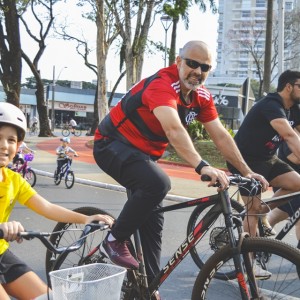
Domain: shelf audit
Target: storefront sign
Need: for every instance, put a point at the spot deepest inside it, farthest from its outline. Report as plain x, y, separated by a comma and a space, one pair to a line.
72, 106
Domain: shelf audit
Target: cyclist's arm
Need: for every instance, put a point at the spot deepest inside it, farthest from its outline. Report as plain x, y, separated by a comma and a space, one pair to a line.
60, 214
226, 145
182, 143
285, 130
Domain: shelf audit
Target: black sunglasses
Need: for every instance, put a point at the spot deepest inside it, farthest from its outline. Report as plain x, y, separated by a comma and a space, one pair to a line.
195, 65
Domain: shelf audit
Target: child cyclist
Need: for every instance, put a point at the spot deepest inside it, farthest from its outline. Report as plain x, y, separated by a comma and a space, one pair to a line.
62, 152
16, 278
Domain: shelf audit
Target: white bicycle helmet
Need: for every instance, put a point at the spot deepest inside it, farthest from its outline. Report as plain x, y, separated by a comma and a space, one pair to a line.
11, 114
66, 139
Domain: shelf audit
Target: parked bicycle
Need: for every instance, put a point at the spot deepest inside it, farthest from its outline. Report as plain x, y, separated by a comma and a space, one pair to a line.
21, 166
67, 130
33, 130
238, 252
65, 173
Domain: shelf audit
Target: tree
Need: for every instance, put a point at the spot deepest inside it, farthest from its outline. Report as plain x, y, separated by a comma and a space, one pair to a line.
133, 44
44, 24
106, 33
180, 8
10, 49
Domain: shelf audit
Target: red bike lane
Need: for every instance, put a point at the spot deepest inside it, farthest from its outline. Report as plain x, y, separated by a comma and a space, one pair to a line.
80, 145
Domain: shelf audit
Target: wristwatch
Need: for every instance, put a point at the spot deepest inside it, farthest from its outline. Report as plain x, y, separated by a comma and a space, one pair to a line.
203, 163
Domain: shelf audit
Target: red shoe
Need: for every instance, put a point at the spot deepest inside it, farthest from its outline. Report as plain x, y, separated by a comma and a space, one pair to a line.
119, 254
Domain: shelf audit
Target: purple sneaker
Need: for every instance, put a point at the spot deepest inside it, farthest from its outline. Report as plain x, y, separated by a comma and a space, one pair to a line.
119, 254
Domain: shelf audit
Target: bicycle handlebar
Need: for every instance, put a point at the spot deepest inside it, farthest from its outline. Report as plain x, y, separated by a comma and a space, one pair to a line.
234, 179
89, 228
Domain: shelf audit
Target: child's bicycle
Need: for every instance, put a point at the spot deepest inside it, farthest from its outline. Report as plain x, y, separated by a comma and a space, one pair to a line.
21, 166
94, 281
65, 173
237, 265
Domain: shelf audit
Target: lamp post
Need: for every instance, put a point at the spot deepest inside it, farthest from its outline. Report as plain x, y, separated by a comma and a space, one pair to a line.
166, 22
53, 97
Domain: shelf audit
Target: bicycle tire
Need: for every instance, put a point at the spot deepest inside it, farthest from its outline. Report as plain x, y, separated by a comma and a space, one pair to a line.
69, 179
77, 132
54, 262
57, 178
65, 132
66, 238
282, 262
215, 236
30, 177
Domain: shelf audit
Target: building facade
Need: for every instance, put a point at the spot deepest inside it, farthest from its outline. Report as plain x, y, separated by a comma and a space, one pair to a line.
67, 103
241, 33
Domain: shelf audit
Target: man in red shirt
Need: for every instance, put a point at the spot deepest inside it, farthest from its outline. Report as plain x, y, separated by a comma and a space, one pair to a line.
135, 134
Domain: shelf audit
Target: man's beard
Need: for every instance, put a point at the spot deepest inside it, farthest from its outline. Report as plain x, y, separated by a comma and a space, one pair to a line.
193, 85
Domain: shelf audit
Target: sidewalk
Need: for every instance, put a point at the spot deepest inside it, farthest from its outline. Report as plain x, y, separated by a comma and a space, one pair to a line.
185, 182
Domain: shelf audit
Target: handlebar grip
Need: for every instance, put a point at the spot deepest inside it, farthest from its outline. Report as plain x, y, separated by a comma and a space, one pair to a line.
1, 234
205, 177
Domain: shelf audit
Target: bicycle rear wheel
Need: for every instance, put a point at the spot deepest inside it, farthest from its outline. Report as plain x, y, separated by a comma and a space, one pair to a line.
70, 179
215, 237
30, 176
275, 256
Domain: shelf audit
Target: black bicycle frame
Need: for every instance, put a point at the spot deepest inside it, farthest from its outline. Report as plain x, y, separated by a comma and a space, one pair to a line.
221, 206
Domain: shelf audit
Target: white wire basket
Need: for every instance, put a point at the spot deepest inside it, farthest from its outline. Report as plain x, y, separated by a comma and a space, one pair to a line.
94, 281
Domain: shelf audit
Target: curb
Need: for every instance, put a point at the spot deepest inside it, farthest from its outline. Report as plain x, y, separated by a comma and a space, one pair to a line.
109, 186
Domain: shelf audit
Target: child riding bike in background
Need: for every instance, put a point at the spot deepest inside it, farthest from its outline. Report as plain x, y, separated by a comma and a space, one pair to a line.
23, 149
62, 152
16, 278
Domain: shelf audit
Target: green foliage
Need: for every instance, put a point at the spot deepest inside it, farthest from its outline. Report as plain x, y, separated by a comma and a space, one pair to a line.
197, 131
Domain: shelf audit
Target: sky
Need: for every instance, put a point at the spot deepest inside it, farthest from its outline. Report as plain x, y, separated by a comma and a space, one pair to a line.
70, 66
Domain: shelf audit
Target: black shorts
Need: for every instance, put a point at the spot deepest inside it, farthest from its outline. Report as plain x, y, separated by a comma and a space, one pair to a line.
270, 169
11, 267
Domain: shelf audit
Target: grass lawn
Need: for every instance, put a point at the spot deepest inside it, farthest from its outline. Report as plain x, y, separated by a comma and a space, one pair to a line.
206, 149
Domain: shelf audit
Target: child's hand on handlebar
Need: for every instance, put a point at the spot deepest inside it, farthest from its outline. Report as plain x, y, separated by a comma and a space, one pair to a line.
10, 231
101, 218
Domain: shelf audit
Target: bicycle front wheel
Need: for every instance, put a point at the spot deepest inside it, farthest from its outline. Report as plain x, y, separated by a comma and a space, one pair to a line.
215, 237
66, 234
65, 132
30, 176
70, 179
274, 256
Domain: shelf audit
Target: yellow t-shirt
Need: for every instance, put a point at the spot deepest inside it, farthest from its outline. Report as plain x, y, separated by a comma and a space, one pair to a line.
13, 188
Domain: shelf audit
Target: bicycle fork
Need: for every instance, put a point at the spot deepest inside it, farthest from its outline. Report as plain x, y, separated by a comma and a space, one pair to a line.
240, 274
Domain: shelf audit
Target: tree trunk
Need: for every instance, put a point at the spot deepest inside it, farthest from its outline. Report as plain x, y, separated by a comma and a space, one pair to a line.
268, 48
101, 62
172, 54
11, 61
